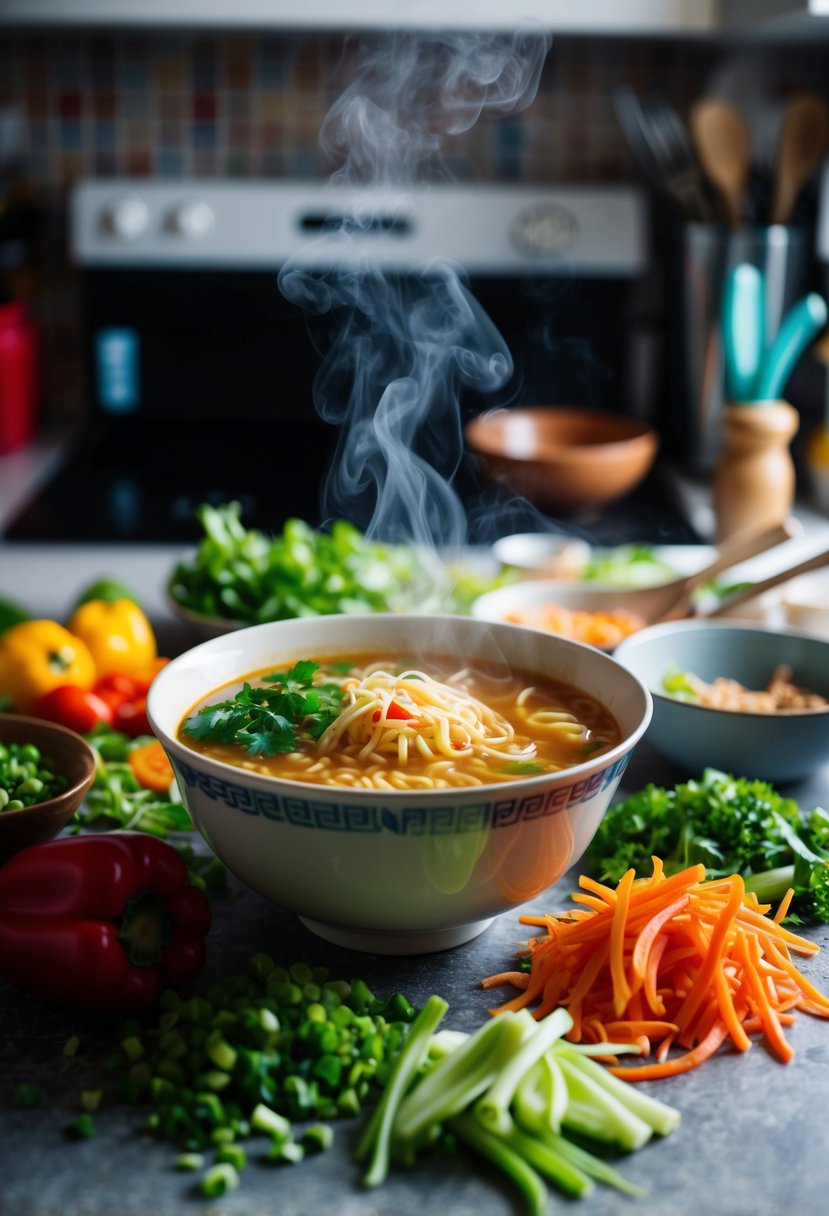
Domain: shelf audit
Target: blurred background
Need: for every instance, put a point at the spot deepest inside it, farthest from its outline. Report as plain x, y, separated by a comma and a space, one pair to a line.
605, 290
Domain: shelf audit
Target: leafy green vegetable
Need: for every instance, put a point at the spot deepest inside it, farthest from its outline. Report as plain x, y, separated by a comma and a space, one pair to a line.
118, 800
730, 825
241, 574
677, 685
628, 566
270, 720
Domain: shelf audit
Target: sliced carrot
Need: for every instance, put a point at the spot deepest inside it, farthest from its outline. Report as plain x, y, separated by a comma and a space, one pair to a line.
621, 987
151, 766
679, 1064
749, 950
677, 965
785, 903
713, 955
518, 979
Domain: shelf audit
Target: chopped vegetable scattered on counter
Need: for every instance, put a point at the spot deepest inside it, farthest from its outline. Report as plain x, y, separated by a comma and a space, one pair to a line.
26, 777
259, 1065
730, 825
102, 922
518, 1094
241, 574
666, 963
128, 790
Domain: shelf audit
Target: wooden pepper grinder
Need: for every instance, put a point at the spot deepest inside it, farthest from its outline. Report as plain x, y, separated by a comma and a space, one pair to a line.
754, 479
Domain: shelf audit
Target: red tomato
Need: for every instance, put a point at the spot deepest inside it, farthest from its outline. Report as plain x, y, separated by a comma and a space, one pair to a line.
127, 686
131, 717
75, 708
116, 688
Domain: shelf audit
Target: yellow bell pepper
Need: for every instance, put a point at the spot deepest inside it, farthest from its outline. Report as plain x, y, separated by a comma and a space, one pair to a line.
118, 634
37, 656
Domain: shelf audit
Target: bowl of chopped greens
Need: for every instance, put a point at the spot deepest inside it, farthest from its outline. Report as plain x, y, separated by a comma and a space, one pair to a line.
45, 773
239, 576
748, 699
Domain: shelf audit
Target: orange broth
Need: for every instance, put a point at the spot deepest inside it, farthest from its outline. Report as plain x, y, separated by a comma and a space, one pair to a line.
517, 697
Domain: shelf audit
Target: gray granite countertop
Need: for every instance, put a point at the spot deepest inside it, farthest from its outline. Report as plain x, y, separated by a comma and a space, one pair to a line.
754, 1140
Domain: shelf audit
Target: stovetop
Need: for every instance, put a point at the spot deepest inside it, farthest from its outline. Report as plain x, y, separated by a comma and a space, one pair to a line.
143, 485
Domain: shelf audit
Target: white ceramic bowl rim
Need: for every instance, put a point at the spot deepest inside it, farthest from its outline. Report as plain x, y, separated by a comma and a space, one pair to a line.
222, 770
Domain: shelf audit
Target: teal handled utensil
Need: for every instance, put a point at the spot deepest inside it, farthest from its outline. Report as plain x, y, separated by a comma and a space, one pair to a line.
800, 325
743, 330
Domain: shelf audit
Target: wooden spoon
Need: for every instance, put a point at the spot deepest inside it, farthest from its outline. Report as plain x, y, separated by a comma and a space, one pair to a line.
723, 143
803, 144
817, 562
666, 601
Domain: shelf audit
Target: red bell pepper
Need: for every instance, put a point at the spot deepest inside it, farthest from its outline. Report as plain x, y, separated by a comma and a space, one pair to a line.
101, 922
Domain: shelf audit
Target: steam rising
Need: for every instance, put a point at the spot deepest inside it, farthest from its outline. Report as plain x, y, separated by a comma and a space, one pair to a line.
398, 350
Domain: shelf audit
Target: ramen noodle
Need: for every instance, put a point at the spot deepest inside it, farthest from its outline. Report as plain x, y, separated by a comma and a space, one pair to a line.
431, 727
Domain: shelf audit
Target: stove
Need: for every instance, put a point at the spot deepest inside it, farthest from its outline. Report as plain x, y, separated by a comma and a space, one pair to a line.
204, 378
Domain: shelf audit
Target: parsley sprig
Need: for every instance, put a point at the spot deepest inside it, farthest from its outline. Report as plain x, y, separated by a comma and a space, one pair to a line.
273, 718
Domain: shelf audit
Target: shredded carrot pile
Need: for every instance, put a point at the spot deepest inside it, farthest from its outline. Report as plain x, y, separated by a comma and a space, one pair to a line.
604, 629
675, 965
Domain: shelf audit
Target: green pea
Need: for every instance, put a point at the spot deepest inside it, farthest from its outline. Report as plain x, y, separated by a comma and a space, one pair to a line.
26, 777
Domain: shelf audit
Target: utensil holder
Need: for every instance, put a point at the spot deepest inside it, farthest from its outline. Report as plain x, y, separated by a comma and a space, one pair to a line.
754, 477
704, 255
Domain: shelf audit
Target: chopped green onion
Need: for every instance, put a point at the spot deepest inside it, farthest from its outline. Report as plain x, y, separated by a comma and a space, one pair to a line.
218, 1180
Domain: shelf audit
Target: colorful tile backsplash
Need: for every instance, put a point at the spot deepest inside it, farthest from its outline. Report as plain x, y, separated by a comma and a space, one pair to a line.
253, 105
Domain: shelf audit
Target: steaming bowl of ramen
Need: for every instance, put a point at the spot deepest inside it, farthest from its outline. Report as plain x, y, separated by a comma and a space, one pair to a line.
437, 771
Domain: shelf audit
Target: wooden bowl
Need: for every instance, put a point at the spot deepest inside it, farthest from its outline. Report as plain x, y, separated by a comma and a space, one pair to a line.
561, 457
68, 754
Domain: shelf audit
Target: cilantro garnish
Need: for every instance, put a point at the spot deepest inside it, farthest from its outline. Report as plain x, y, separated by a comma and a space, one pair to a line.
523, 768
271, 719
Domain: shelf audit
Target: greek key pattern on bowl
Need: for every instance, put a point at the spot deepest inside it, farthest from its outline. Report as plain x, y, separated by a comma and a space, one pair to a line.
322, 814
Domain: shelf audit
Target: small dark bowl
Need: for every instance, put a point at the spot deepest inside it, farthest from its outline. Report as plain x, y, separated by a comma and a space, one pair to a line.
68, 754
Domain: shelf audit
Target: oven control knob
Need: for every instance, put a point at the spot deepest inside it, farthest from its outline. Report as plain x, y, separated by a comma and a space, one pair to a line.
192, 219
127, 218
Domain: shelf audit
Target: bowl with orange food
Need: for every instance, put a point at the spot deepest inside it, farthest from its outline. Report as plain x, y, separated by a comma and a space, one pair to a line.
397, 781
591, 613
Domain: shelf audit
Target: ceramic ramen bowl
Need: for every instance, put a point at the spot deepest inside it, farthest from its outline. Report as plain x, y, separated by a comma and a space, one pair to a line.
393, 871
775, 747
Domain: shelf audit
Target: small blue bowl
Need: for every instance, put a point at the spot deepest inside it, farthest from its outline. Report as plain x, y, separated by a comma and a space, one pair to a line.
773, 747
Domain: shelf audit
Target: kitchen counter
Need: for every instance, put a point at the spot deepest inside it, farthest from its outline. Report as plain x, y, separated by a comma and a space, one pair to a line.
754, 1140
